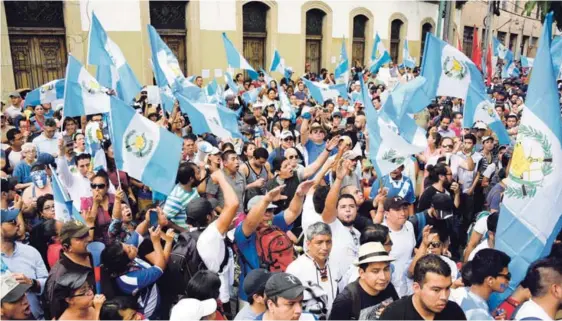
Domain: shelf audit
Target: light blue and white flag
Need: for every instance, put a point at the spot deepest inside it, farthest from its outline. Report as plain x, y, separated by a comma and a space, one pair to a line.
210, 118
322, 92
407, 60
285, 104
379, 56
251, 96
100, 161
556, 52
499, 49
230, 82
266, 77
212, 88
479, 108
64, 209
527, 62
49, 93
342, 69
235, 59
277, 63
167, 70
406, 98
146, 151
102, 51
83, 95
509, 68
531, 214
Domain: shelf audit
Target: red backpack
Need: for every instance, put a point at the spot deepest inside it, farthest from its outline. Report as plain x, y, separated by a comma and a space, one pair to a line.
275, 249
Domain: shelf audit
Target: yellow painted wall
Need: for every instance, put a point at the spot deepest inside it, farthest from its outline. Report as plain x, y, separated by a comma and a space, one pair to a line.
7, 73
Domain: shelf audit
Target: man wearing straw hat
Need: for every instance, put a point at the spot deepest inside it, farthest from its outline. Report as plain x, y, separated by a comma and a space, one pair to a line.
366, 298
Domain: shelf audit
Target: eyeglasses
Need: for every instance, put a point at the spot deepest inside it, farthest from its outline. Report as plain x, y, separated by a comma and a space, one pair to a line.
48, 207
97, 186
289, 139
447, 146
292, 157
506, 276
435, 244
89, 291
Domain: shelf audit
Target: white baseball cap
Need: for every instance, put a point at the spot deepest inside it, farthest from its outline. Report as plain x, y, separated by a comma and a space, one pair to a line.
193, 309
12, 290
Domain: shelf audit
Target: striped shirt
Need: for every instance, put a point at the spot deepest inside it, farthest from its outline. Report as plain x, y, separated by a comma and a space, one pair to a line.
176, 204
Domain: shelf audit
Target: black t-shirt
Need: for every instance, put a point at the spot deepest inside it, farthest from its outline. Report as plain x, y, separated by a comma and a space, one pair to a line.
425, 199
366, 208
370, 305
403, 309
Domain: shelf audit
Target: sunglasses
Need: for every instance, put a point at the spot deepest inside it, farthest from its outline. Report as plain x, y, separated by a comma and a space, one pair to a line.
292, 157
97, 186
435, 244
447, 146
89, 291
507, 276
289, 139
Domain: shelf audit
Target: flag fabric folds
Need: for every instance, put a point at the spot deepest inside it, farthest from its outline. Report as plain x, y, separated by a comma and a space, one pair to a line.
144, 149
102, 51
556, 51
509, 68
323, 92
527, 62
530, 213
407, 60
379, 56
251, 96
277, 63
50, 93
499, 49
210, 118
236, 60
342, 69
83, 95
64, 209
479, 108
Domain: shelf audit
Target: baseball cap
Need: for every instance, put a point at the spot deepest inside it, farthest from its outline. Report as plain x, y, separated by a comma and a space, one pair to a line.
443, 204
284, 285
315, 126
285, 116
9, 215
372, 252
12, 290
198, 208
256, 199
394, 203
286, 134
214, 151
351, 155
257, 104
485, 138
193, 309
73, 229
336, 114
255, 281
45, 159
15, 94
479, 125
247, 129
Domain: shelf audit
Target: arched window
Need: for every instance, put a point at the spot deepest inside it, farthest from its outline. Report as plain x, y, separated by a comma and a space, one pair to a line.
358, 47
427, 27
254, 26
168, 17
38, 55
314, 28
395, 33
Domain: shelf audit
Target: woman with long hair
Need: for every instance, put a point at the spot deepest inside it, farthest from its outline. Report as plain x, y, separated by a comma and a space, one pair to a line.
248, 151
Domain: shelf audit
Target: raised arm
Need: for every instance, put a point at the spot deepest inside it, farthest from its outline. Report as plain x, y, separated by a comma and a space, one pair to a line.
304, 131
330, 212
295, 207
313, 168
231, 202
116, 214
252, 221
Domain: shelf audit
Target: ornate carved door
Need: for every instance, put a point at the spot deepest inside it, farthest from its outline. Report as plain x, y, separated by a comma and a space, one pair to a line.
254, 52
177, 46
314, 54
358, 52
254, 27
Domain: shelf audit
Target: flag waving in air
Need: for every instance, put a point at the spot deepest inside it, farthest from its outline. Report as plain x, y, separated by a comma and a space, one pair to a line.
379, 56
64, 209
530, 213
277, 63
113, 70
342, 69
144, 149
408, 61
83, 95
236, 60
49, 93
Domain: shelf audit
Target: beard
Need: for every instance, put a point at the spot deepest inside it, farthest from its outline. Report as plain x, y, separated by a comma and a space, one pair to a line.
347, 223
10, 238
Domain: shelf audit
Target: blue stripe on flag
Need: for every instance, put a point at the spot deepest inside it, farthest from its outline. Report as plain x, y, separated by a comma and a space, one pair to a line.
47, 93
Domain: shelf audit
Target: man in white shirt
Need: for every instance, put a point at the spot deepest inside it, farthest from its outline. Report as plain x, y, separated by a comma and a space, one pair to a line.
312, 268
14, 110
489, 243
403, 239
47, 142
340, 213
544, 279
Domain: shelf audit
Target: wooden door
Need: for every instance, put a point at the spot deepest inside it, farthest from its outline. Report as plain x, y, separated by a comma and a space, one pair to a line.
358, 52
314, 54
37, 59
177, 46
254, 52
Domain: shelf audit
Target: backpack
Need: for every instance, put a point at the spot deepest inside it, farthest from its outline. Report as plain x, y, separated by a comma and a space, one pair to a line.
317, 303
275, 249
418, 220
185, 261
353, 289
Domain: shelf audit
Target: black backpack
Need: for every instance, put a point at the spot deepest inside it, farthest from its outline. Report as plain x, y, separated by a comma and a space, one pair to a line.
185, 262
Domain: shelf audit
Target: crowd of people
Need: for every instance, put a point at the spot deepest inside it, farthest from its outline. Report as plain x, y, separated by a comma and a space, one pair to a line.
288, 222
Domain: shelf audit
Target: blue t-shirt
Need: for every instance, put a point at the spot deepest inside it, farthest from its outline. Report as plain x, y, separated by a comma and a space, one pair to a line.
247, 246
22, 172
403, 188
314, 150
142, 277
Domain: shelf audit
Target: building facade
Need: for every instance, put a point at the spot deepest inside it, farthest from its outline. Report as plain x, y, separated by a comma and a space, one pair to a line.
37, 36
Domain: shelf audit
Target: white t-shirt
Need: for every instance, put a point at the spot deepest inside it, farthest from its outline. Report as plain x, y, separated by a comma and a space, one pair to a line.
403, 244
482, 245
531, 309
481, 226
345, 247
14, 158
305, 270
309, 215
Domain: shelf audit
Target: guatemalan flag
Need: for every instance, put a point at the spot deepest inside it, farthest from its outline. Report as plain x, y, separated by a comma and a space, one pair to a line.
49, 93
143, 149
556, 51
531, 211
342, 69
277, 63
230, 82
379, 56
322, 92
509, 68
64, 209
112, 66
167, 69
499, 49
408, 61
251, 96
83, 95
210, 118
235, 59
479, 108
527, 62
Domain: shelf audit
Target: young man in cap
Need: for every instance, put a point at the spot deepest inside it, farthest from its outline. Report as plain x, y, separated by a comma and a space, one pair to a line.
440, 214
287, 141
14, 110
24, 261
312, 138
544, 279
432, 285
254, 286
284, 295
15, 305
367, 297
397, 185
